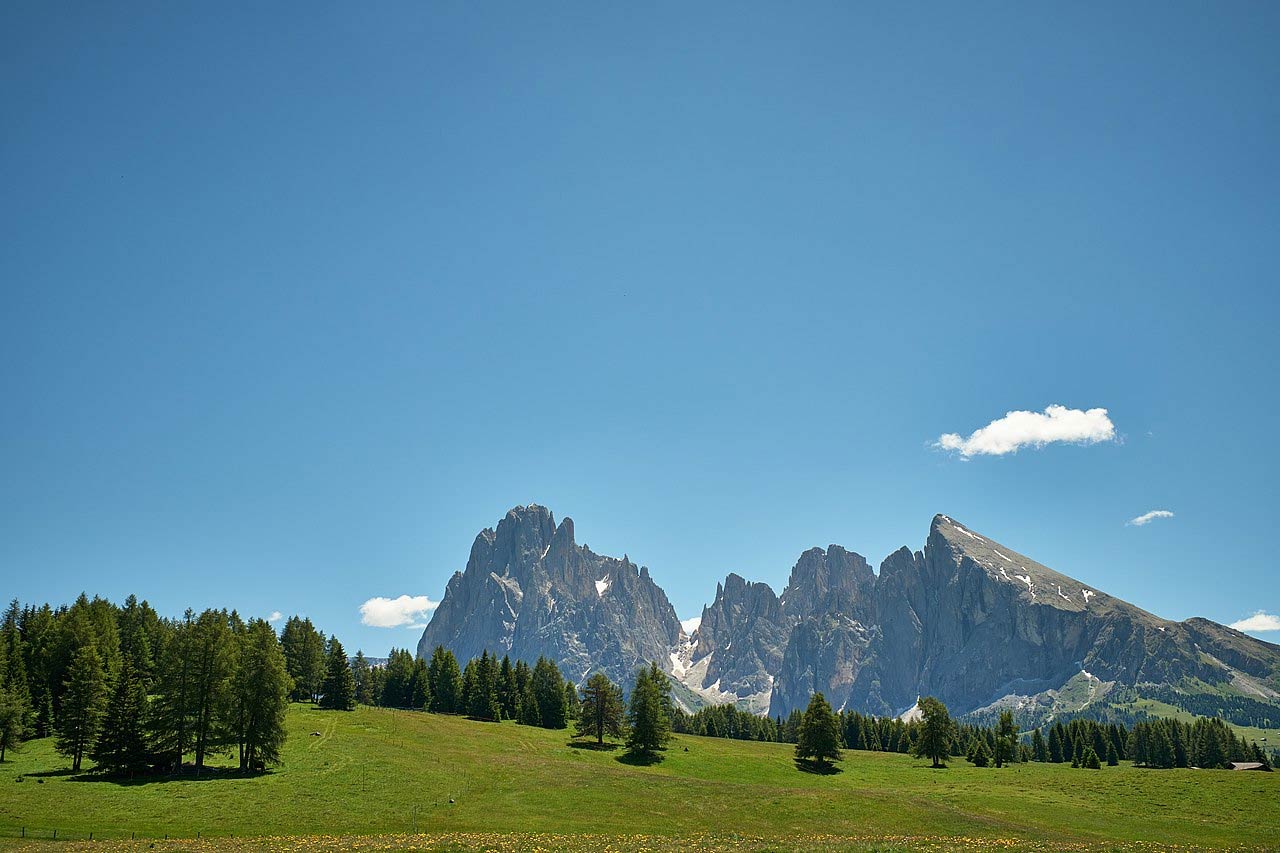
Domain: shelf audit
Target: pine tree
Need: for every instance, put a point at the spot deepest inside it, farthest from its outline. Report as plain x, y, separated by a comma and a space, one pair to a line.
121, 746
936, 731
169, 717
84, 701
304, 653
1112, 758
446, 682
1006, 739
14, 714
527, 703
260, 697
213, 652
1089, 759
819, 734
482, 698
1057, 752
419, 686
981, 755
363, 675
601, 710
1039, 749
548, 693
468, 686
508, 692
338, 691
397, 684
648, 717
571, 701
1161, 750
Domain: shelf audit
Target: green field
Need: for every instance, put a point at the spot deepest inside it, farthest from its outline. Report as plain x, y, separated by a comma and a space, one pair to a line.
389, 773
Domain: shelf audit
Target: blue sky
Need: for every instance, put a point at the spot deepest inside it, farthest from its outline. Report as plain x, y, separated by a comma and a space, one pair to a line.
297, 299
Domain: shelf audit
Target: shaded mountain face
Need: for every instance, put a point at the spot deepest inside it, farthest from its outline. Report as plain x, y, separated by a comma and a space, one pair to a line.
966, 619
530, 590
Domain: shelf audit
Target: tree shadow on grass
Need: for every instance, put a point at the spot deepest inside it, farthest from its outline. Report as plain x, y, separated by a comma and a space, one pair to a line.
65, 771
639, 759
592, 745
805, 765
187, 774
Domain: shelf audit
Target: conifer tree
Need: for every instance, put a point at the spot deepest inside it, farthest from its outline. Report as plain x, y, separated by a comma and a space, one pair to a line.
819, 734
469, 686
527, 703
397, 683
362, 673
445, 680
169, 717
601, 709
936, 731
981, 755
260, 697
121, 746
213, 651
305, 659
649, 714
14, 713
1112, 758
1089, 759
571, 702
548, 692
1039, 749
338, 691
420, 686
482, 698
1006, 739
84, 701
508, 691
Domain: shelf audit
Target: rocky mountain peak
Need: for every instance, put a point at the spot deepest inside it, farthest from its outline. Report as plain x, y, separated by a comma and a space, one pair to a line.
530, 590
829, 580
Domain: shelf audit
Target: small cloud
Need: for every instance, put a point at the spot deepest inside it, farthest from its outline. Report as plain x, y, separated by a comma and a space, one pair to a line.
275, 616
405, 611
1258, 622
1148, 517
1032, 429
691, 625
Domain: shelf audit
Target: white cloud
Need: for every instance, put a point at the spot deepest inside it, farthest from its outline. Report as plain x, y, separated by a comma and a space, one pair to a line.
275, 616
1032, 429
405, 611
691, 625
1258, 622
1148, 517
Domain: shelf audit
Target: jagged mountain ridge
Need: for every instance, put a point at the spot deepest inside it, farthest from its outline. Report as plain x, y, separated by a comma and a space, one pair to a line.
965, 619
530, 590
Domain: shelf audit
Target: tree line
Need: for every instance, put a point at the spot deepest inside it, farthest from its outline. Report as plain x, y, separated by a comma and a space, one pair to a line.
1206, 743
134, 692
489, 689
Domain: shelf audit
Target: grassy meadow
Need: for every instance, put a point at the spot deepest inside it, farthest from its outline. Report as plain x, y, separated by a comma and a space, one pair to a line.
404, 780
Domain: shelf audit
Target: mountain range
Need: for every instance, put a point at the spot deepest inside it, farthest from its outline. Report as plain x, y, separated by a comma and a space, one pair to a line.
978, 625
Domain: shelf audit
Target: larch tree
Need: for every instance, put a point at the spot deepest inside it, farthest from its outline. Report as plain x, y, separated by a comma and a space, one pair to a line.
84, 701
260, 697
936, 732
601, 710
1006, 739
